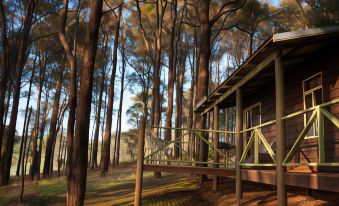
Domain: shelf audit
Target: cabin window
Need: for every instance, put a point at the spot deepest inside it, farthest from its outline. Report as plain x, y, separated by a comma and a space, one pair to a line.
313, 95
252, 118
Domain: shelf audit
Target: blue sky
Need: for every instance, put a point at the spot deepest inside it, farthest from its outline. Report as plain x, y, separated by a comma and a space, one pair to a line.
275, 2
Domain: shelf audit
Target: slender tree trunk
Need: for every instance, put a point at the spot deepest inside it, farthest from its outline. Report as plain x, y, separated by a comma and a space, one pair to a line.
116, 157
53, 125
41, 133
105, 150
25, 120
37, 121
60, 149
60, 120
21, 61
73, 90
178, 99
203, 72
78, 173
23, 171
5, 70
94, 161
171, 72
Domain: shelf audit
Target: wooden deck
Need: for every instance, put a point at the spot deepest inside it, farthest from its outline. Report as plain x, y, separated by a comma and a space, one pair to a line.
319, 181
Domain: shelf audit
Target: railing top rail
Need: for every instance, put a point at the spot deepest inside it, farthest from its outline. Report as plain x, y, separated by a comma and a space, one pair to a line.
193, 129
293, 115
334, 101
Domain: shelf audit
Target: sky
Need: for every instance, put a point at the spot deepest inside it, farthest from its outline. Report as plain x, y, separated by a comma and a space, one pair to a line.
275, 2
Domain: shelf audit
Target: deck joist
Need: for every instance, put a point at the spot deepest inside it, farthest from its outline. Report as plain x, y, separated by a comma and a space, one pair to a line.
318, 181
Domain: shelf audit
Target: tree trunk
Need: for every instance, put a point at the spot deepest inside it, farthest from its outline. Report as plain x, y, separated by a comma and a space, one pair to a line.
73, 89
116, 157
171, 73
5, 71
21, 61
23, 171
203, 72
53, 125
60, 149
105, 150
37, 121
179, 102
41, 133
25, 120
78, 173
94, 161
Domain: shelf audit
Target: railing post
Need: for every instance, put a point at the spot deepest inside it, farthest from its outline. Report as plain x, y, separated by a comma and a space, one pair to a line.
215, 144
239, 143
280, 106
140, 163
321, 140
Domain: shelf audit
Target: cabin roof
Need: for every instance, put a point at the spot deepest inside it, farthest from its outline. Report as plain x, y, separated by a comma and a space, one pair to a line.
296, 46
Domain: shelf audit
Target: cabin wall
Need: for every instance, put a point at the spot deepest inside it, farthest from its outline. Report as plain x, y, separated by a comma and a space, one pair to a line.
328, 64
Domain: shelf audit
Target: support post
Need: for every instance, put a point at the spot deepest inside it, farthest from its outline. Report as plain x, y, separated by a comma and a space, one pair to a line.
280, 105
215, 144
140, 163
238, 143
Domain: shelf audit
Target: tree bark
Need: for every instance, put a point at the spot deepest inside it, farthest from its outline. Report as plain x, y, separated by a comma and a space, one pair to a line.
105, 150
5, 70
21, 61
203, 74
73, 90
94, 161
25, 120
37, 121
171, 72
116, 157
41, 133
53, 125
78, 174
178, 100
22, 162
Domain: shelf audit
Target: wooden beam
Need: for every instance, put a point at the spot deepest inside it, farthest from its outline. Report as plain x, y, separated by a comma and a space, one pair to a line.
239, 143
222, 172
140, 162
262, 65
215, 144
280, 124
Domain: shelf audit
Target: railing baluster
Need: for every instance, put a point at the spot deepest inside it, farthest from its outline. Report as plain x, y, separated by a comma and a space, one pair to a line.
321, 141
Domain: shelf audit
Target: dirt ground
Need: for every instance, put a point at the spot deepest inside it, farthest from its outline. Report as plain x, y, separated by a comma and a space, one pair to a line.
117, 188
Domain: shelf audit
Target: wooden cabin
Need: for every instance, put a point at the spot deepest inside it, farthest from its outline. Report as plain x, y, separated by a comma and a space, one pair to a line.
286, 100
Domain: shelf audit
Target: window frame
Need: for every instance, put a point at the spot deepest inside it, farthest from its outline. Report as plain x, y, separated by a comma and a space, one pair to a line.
312, 91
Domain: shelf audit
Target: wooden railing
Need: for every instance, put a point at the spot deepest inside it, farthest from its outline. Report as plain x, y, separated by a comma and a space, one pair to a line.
255, 139
319, 113
160, 151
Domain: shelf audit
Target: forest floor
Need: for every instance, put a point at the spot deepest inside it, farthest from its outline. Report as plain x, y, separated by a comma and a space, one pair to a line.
117, 188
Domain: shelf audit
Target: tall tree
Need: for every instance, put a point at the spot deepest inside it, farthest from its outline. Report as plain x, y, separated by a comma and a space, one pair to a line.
94, 161
6, 163
78, 174
116, 156
53, 124
105, 151
5, 69
25, 118
73, 89
37, 118
171, 71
